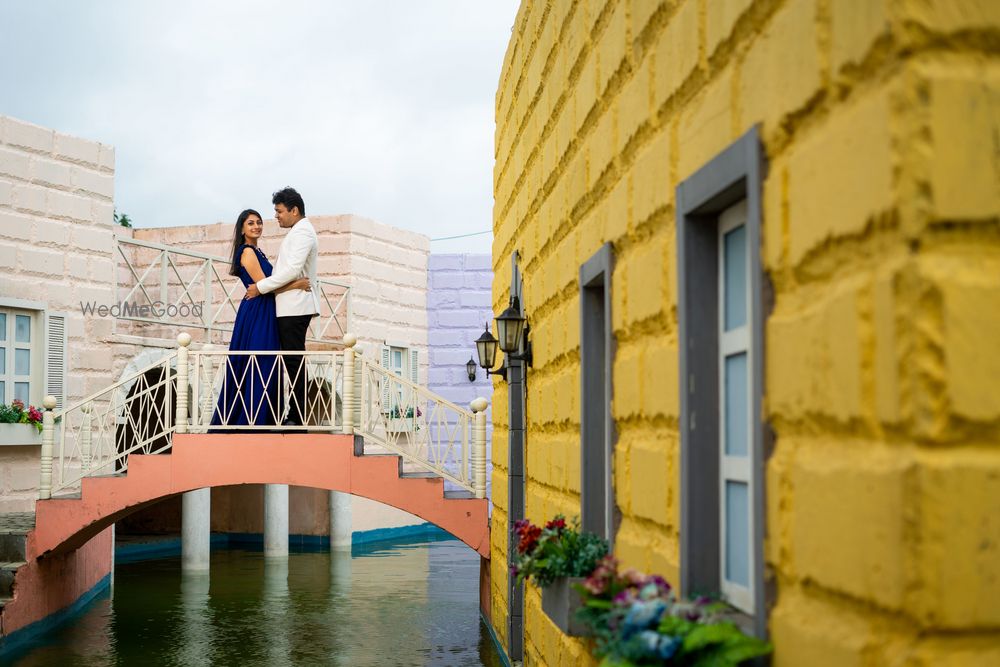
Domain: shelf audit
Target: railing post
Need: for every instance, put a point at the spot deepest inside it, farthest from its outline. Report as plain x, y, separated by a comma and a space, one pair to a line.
48, 436
347, 407
85, 437
180, 419
479, 446
206, 386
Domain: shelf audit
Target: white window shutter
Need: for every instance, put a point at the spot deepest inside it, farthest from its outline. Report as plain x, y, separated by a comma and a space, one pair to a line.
385, 384
413, 366
55, 357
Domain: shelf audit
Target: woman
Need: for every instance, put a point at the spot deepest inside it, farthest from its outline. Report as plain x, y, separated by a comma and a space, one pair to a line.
250, 389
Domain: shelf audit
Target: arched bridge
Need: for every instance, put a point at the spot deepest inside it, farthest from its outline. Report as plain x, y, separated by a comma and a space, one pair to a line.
204, 418
197, 461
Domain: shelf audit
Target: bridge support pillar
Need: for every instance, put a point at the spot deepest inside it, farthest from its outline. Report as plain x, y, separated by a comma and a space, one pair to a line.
275, 520
196, 526
340, 520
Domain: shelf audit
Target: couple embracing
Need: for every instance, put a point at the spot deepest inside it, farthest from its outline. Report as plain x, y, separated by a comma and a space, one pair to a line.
274, 315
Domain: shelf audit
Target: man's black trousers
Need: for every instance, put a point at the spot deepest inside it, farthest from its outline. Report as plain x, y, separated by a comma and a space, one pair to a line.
292, 335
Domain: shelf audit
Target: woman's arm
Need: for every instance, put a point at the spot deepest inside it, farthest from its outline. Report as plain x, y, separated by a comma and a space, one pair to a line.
249, 261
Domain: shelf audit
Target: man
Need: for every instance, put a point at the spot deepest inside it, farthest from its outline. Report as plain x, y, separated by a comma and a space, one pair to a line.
296, 259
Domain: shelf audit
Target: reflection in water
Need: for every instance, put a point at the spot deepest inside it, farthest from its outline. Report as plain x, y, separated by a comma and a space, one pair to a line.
196, 628
406, 603
275, 610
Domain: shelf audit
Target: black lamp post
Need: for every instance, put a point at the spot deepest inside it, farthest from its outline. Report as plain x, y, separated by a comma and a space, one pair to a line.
470, 368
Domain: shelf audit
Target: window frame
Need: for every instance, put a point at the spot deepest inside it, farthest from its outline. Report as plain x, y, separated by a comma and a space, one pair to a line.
37, 349
735, 174
598, 506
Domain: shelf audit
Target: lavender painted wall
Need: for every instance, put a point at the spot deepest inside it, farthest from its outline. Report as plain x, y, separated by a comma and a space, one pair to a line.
459, 302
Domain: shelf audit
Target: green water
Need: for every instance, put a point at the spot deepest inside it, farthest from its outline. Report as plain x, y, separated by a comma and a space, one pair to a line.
401, 603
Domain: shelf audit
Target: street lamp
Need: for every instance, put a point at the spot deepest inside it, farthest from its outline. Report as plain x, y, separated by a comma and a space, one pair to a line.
470, 368
486, 348
512, 327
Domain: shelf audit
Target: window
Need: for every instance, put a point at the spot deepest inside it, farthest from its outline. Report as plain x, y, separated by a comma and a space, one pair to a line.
18, 359
32, 352
401, 361
735, 481
597, 498
720, 317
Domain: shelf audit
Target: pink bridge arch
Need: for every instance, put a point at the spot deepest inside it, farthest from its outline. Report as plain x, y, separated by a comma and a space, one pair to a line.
198, 461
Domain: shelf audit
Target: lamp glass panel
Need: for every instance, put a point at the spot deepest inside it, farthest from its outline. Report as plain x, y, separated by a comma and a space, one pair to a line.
487, 351
510, 333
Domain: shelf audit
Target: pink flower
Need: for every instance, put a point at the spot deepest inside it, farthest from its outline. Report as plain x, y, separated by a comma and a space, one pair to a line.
34, 414
600, 579
634, 577
18, 403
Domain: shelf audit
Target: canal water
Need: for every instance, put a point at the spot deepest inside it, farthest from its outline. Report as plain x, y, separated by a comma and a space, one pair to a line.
410, 602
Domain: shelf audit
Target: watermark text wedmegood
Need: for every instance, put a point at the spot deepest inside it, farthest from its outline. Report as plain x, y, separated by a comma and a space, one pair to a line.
146, 310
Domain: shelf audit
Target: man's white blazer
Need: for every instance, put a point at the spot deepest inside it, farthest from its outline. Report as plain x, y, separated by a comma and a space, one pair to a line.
297, 258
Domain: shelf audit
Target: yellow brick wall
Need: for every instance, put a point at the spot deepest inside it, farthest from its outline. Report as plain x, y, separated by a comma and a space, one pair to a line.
881, 236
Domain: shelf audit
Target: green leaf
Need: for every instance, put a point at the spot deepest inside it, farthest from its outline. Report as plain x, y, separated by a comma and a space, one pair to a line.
611, 661
599, 604
746, 648
674, 626
706, 635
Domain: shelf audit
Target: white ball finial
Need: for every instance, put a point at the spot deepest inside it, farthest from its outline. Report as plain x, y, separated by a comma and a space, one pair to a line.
350, 340
479, 404
49, 402
184, 339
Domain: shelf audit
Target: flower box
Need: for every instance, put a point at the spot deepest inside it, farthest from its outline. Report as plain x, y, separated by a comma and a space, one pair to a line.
560, 602
19, 435
400, 424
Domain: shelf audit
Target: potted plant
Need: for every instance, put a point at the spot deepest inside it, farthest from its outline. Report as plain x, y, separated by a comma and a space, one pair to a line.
20, 425
636, 619
555, 558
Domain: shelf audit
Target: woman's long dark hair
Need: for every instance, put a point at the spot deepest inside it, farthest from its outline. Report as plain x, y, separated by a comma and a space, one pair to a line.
239, 240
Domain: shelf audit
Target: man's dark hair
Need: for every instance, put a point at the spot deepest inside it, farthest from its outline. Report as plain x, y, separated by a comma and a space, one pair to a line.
290, 199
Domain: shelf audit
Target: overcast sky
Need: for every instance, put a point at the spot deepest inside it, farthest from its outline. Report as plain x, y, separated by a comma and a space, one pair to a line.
382, 109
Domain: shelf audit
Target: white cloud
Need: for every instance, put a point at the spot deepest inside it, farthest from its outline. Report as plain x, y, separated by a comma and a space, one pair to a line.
380, 109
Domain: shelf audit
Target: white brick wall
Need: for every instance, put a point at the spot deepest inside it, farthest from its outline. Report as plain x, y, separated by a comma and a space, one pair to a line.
386, 267
56, 239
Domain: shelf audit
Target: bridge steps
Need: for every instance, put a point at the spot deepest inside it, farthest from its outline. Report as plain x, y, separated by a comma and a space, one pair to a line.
14, 529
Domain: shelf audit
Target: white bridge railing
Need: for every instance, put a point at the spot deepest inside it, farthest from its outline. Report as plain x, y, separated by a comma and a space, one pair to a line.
169, 286
218, 391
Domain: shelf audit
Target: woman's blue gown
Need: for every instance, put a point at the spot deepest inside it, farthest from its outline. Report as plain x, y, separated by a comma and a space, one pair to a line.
250, 390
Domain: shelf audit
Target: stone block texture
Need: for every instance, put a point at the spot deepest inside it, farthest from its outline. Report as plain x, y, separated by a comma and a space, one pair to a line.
456, 314
56, 242
881, 208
